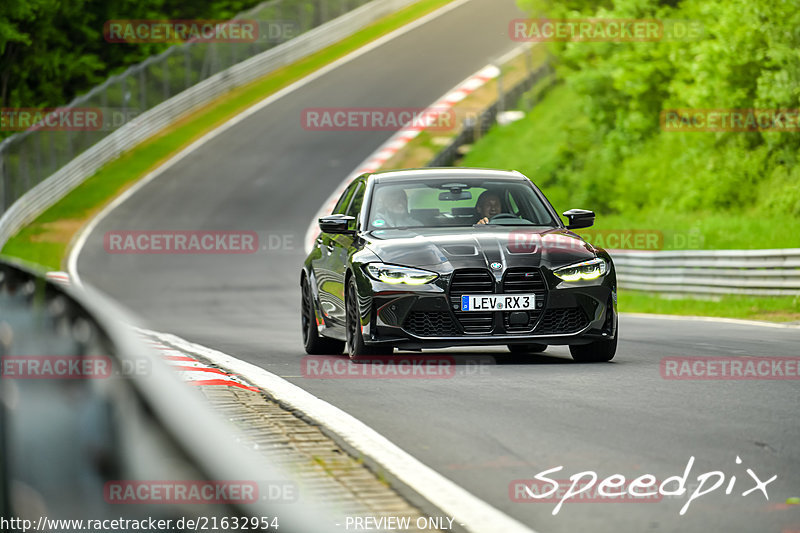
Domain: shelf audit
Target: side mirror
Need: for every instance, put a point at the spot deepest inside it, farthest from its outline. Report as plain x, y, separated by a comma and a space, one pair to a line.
336, 224
579, 218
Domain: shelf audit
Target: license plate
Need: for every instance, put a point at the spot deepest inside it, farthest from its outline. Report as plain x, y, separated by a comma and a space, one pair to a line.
498, 302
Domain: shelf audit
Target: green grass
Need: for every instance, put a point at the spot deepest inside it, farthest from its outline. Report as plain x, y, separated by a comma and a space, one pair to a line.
650, 194
773, 308
45, 241
711, 231
557, 131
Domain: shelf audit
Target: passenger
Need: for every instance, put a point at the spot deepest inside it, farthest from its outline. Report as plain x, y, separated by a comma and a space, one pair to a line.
391, 210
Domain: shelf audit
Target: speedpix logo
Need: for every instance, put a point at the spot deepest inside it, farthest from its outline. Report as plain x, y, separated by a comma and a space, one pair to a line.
643, 488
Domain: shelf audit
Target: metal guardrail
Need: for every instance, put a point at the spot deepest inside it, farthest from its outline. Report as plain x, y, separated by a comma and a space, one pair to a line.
62, 440
37, 168
754, 272
487, 118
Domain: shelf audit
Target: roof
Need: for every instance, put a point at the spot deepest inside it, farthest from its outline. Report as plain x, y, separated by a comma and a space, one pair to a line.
446, 172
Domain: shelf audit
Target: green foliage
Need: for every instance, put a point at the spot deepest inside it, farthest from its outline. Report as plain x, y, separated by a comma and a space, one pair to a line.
52, 51
614, 157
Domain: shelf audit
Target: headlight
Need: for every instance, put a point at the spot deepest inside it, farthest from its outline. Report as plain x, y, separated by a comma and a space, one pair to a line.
587, 270
399, 274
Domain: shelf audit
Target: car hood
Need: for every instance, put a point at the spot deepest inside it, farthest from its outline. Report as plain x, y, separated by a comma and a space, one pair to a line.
446, 249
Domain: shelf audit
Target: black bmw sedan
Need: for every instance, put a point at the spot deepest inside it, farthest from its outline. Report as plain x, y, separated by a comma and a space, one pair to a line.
440, 257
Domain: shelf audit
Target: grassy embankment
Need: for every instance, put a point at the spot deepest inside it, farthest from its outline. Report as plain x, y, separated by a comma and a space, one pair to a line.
537, 145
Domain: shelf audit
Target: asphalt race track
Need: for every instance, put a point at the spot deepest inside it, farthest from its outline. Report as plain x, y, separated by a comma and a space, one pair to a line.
490, 424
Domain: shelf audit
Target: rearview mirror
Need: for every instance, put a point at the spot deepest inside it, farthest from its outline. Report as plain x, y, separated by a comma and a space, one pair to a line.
336, 224
454, 196
579, 218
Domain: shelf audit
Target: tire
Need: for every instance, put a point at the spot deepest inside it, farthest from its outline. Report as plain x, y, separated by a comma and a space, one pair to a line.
526, 348
313, 343
356, 349
595, 352
598, 351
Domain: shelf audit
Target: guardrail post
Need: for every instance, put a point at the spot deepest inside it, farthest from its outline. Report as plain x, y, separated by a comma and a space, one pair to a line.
500, 93
187, 62
528, 98
3, 181
165, 79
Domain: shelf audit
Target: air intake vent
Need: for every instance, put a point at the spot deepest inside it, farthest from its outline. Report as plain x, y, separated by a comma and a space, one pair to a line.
568, 320
472, 281
528, 281
460, 249
430, 324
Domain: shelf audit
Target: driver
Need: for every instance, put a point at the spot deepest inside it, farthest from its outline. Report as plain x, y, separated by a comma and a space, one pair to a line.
487, 206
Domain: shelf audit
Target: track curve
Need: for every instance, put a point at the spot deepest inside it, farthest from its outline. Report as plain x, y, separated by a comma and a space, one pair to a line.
483, 429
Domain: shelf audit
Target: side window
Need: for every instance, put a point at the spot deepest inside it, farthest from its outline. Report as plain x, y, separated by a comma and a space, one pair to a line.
355, 206
344, 200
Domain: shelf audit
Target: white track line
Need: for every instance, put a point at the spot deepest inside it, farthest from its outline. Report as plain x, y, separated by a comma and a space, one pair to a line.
82, 236
474, 514
736, 321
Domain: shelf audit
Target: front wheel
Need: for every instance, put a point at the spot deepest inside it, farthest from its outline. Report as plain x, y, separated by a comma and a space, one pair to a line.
356, 348
595, 352
313, 343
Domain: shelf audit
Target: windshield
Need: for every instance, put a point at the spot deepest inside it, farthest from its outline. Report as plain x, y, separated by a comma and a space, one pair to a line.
456, 202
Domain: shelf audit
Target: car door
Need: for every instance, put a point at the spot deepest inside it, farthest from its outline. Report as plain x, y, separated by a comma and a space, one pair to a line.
341, 245
326, 272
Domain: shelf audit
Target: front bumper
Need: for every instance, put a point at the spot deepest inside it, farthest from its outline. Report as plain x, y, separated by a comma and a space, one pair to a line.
428, 317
